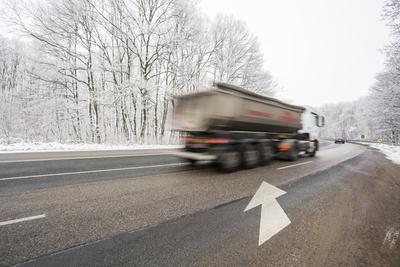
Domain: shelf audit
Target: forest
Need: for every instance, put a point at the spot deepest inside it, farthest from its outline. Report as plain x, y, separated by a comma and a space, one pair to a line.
107, 71
375, 117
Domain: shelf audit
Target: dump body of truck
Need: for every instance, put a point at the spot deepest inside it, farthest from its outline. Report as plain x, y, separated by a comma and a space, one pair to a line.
231, 108
238, 128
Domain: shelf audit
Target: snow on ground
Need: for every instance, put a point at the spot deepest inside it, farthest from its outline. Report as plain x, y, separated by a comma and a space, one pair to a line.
391, 152
37, 147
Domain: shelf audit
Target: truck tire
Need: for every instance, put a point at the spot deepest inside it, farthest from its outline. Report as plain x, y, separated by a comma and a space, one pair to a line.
266, 153
314, 152
293, 153
229, 159
250, 156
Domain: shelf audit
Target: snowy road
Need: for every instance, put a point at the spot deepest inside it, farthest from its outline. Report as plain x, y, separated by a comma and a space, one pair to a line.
343, 207
25, 171
38, 170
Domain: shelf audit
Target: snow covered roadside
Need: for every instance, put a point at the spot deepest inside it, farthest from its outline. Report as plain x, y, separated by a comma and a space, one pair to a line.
42, 147
391, 152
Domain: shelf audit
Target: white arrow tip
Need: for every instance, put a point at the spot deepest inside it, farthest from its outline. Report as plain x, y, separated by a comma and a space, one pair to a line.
265, 194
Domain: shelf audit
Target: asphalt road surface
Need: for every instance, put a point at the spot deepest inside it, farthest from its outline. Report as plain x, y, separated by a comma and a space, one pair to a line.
150, 209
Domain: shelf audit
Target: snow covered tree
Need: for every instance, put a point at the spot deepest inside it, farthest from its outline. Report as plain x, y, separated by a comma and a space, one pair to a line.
386, 92
107, 70
238, 58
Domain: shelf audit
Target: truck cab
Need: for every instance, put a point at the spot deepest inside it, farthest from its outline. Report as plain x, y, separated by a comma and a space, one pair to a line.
312, 122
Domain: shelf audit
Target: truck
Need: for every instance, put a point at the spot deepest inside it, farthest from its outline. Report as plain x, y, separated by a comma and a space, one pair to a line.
236, 128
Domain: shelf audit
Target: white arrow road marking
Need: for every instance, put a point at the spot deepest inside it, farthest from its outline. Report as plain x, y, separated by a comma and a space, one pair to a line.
23, 219
273, 218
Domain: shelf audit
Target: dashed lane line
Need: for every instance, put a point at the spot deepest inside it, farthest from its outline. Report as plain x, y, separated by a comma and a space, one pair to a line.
294, 165
23, 219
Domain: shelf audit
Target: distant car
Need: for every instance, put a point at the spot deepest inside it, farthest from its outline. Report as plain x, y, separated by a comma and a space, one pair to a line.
339, 141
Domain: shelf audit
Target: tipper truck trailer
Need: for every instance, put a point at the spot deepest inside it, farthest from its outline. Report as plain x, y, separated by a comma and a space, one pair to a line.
237, 128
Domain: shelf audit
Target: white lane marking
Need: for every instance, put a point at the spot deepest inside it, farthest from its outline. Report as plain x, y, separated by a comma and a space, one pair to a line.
87, 157
273, 218
23, 219
92, 171
294, 165
86, 150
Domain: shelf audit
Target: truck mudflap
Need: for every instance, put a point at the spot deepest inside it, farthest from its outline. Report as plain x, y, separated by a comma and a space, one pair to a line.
194, 156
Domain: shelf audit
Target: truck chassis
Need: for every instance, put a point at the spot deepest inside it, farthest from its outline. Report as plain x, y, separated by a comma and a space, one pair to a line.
232, 151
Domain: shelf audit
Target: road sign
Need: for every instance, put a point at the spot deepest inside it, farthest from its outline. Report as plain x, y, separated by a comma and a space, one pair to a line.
273, 218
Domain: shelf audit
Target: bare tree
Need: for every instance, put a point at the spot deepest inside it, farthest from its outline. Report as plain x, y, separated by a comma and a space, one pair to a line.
107, 70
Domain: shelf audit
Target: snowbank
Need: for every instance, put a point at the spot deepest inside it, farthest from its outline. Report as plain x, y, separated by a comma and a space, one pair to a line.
37, 147
391, 152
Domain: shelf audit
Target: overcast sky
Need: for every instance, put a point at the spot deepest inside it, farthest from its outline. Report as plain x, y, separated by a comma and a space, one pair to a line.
320, 51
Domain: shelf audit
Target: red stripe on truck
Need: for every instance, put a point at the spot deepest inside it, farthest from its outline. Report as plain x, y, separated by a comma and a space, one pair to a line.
259, 113
287, 117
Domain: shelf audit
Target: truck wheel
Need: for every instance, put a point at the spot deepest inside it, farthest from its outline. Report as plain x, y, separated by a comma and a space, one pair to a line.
312, 154
266, 153
229, 160
293, 154
250, 156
